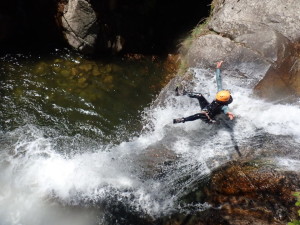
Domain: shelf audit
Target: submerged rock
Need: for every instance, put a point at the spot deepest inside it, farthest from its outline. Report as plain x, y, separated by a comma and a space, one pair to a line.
154, 160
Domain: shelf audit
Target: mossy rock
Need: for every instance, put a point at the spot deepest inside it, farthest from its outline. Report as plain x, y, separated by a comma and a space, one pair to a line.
40, 68
86, 67
65, 73
96, 72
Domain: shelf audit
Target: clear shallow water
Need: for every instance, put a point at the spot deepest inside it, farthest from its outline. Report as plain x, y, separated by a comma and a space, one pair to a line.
74, 95
69, 157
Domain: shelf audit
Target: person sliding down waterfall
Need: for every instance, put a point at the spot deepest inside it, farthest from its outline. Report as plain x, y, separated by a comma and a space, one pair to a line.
210, 110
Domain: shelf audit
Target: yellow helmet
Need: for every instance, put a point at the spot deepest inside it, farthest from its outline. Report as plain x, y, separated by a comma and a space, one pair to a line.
223, 96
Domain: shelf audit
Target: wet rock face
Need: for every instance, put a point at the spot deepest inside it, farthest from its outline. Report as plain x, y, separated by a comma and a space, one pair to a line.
250, 191
243, 193
257, 40
239, 60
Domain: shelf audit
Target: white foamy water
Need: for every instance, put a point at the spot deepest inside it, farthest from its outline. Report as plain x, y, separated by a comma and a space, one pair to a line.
42, 185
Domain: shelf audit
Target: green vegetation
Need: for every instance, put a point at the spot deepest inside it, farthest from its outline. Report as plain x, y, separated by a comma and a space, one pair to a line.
296, 222
199, 30
213, 5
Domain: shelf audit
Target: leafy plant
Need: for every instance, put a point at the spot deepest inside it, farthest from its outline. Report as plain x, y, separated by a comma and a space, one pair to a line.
296, 222
199, 30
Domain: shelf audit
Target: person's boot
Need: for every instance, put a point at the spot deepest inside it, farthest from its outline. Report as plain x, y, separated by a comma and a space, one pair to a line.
176, 91
179, 120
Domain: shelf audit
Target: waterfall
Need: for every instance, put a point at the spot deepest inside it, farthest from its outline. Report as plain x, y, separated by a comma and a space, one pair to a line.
50, 175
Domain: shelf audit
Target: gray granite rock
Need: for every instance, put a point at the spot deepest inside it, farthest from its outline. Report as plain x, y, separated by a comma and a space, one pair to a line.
257, 40
80, 23
237, 17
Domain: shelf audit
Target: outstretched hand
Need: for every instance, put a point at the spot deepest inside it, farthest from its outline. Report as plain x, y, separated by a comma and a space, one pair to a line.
230, 115
219, 64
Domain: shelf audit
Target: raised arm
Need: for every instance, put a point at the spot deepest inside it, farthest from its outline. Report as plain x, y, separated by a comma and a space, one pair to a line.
218, 76
225, 108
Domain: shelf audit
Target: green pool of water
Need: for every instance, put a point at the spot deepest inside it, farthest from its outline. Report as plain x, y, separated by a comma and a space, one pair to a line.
71, 95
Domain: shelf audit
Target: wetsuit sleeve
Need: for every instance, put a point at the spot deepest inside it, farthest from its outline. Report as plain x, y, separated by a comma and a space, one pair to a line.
225, 109
219, 79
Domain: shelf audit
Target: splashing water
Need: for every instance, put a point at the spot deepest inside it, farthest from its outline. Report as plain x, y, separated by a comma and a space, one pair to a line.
50, 175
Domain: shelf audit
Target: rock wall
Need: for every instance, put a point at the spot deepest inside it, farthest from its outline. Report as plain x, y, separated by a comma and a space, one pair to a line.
257, 40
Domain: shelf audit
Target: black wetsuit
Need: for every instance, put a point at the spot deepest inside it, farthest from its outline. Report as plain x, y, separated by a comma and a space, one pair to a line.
209, 110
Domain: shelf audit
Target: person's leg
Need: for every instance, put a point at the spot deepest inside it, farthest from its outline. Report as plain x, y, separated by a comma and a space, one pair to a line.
197, 116
203, 102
